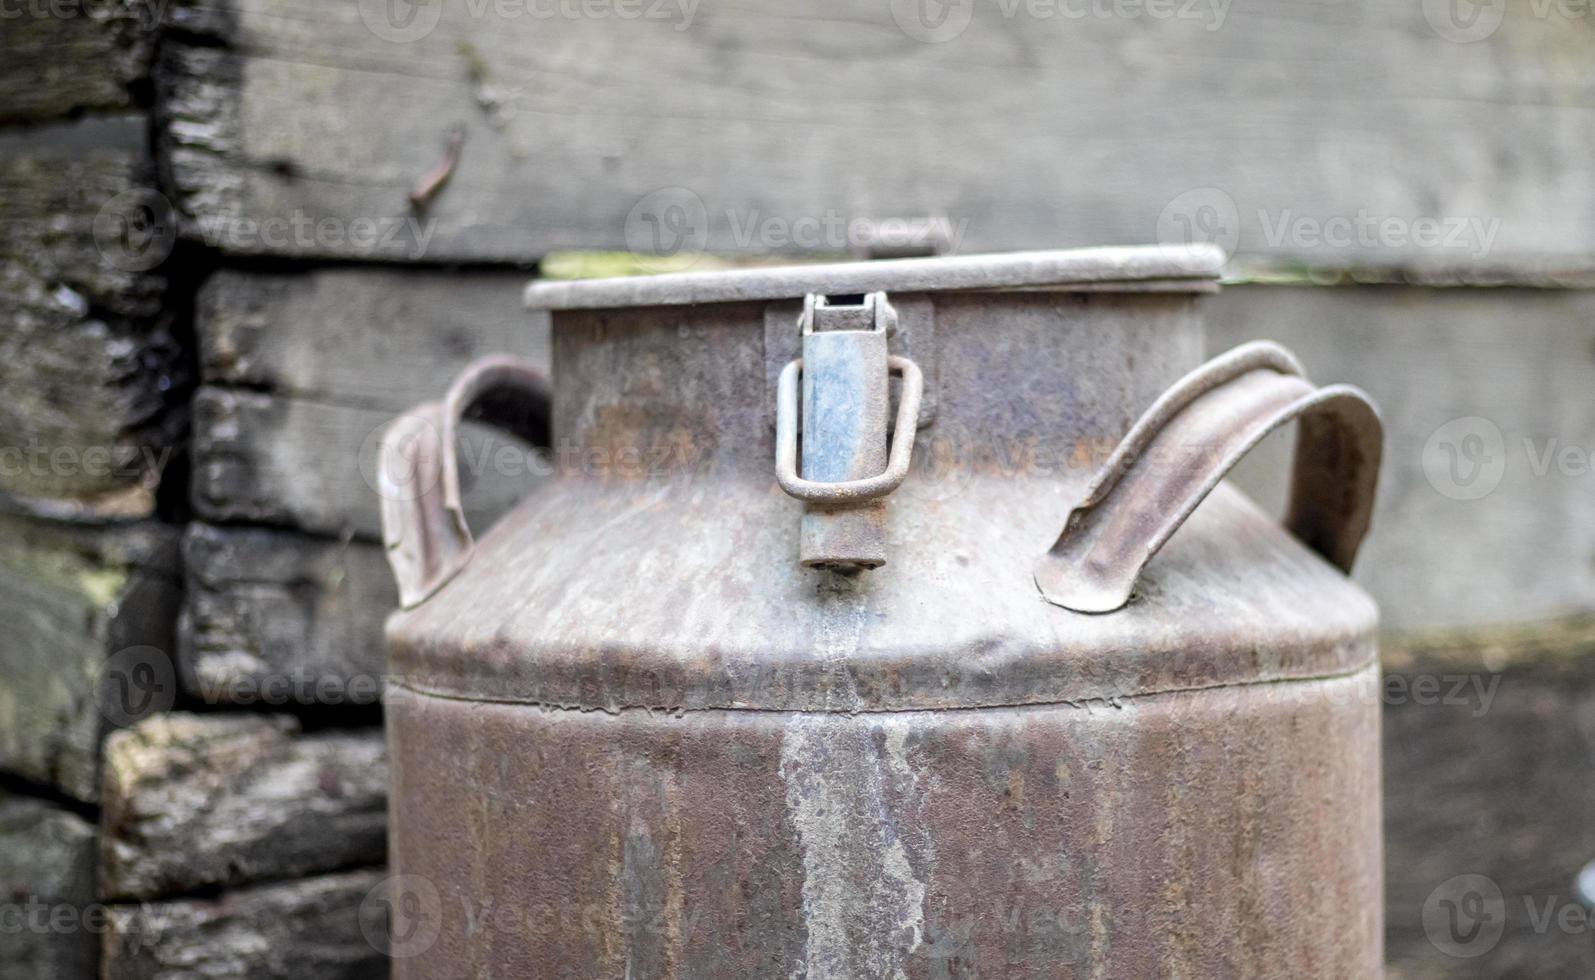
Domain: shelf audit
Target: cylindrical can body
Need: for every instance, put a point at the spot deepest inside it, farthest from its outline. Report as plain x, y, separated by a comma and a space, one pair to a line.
1227, 833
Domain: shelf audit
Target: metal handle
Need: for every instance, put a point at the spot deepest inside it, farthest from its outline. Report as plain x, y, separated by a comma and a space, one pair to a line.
423, 521
1185, 444
904, 430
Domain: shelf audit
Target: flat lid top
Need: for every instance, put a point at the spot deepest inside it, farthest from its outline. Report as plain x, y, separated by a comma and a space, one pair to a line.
1200, 264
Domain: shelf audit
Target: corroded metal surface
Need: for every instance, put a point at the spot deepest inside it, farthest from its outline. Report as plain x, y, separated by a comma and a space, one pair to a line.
1227, 833
659, 568
634, 736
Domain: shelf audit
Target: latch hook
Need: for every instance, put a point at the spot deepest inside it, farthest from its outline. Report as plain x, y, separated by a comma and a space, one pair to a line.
844, 373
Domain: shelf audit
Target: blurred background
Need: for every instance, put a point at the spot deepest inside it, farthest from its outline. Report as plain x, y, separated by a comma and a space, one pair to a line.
238, 236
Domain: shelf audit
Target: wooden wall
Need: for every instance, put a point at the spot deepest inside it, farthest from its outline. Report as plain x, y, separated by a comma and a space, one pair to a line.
237, 236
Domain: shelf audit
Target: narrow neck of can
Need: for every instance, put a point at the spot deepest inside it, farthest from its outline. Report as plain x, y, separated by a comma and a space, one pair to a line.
1036, 385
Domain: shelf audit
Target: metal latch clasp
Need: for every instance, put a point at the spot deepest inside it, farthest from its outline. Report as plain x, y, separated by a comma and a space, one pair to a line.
844, 371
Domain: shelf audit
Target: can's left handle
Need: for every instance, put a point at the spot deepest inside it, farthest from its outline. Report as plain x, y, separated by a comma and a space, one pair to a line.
418, 474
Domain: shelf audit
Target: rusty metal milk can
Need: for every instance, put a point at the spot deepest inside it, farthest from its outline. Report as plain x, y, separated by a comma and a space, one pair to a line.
889, 620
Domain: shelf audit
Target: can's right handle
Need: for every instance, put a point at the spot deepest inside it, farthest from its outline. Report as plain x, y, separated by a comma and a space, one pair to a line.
1185, 444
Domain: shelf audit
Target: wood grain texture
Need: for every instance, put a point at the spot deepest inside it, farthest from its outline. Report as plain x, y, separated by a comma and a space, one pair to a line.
194, 801
309, 929
91, 373
1036, 124
46, 876
59, 57
1464, 533
83, 607
276, 614
298, 463
368, 337
304, 370
1490, 770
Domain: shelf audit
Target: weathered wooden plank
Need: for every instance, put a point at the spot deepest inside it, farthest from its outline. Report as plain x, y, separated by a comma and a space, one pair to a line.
58, 57
279, 617
51, 925
194, 801
606, 125
308, 464
1489, 772
301, 930
90, 616
1484, 509
304, 370
92, 376
373, 337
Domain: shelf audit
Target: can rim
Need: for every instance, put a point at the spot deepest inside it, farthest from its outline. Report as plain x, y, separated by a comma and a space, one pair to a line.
1178, 268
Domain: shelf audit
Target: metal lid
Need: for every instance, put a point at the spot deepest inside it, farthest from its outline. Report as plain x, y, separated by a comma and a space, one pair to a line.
1193, 268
